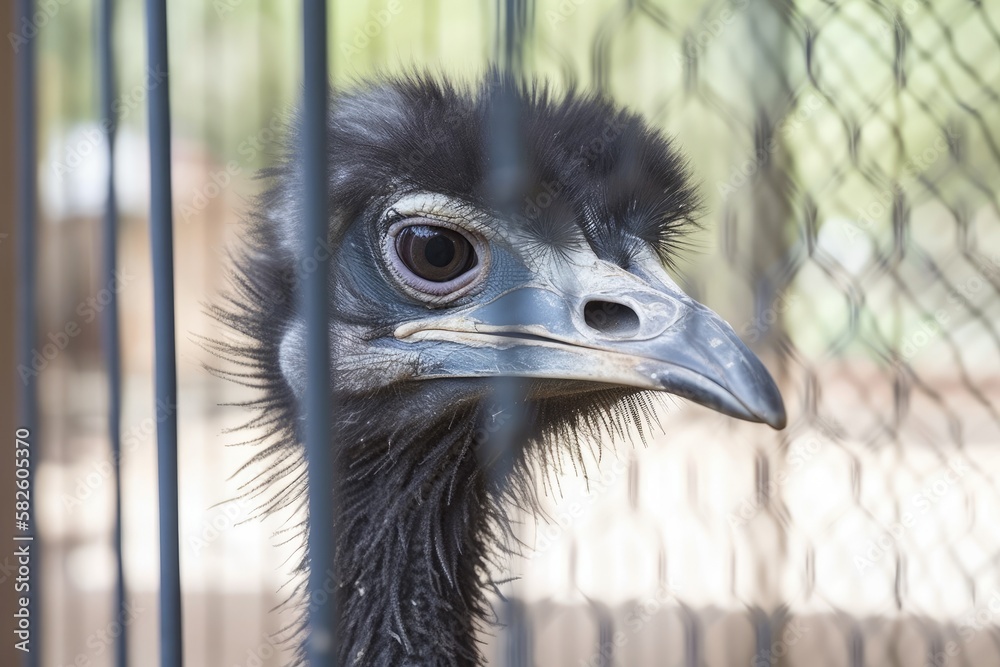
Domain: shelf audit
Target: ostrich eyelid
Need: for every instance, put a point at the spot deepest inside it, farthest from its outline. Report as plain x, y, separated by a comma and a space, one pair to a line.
439, 295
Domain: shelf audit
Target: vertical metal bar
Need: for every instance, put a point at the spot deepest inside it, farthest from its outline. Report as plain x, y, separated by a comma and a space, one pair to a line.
161, 238
321, 646
112, 353
507, 189
28, 296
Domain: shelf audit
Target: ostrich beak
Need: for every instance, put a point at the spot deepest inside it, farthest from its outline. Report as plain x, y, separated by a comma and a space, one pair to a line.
624, 329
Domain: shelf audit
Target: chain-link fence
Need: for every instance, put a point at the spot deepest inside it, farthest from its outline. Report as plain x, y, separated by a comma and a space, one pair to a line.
849, 152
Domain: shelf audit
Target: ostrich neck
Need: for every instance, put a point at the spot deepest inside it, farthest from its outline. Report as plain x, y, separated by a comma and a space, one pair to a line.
415, 511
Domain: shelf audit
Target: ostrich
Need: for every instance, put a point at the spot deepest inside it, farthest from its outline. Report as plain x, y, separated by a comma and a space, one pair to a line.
437, 293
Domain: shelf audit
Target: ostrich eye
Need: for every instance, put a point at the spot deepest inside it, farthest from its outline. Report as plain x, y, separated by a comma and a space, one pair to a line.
436, 254
432, 259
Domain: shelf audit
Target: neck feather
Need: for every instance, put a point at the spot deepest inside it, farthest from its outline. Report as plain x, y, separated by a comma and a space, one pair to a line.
416, 511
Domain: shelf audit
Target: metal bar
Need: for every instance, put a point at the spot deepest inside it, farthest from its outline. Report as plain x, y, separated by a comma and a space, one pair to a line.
321, 645
28, 294
161, 238
507, 188
112, 352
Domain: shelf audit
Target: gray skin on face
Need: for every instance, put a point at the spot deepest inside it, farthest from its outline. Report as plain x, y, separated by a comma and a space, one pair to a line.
559, 316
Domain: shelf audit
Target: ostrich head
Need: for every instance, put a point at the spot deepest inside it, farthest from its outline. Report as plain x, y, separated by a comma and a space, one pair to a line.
438, 291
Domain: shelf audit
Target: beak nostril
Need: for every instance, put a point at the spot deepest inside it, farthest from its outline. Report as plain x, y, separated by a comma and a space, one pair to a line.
611, 318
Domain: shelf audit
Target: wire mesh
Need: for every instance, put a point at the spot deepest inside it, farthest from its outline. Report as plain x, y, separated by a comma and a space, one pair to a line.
110, 323
852, 209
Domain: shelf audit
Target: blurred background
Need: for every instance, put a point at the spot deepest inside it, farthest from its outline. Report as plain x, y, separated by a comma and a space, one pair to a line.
849, 155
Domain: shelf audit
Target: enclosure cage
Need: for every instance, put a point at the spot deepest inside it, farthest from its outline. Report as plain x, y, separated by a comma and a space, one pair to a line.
848, 155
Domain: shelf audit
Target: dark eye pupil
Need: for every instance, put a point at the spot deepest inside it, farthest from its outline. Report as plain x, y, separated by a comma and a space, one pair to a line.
436, 254
440, 251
